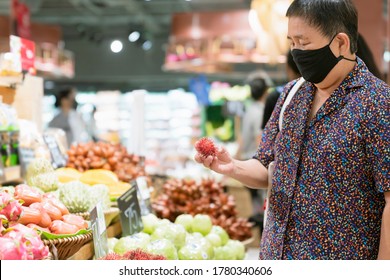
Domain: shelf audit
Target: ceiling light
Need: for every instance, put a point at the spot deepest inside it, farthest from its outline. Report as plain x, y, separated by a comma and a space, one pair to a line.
134, 36
116, 46
147, 45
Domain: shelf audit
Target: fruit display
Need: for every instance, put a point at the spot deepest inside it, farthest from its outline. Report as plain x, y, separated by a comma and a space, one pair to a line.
40, 173
102, 155
25, 215
43, 212
185, 196
188, 238
79, 197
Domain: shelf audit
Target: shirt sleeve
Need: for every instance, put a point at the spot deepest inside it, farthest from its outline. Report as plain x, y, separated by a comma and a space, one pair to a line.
265, 151
378, 140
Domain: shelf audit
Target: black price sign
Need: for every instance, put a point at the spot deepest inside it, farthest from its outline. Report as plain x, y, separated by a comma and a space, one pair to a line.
98, 226
58, 159
130, 211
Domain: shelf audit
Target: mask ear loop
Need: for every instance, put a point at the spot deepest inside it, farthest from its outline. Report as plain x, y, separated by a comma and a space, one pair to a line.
341, 56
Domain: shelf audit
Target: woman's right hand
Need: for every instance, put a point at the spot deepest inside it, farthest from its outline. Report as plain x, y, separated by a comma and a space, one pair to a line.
222, 162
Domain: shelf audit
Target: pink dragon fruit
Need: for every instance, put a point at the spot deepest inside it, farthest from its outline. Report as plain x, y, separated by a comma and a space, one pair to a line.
10, 207
5, 198
36, 249
3, 222
11, 249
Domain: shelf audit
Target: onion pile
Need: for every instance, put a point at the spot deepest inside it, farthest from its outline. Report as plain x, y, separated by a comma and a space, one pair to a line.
102, 155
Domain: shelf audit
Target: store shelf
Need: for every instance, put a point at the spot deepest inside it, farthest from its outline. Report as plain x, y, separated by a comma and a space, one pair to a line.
9, 81
11, 175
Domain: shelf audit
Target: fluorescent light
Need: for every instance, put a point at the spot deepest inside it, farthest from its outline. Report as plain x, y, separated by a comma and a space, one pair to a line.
116, 46
134, 36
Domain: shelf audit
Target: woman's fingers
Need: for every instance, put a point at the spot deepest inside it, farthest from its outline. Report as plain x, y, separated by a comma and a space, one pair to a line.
198, 158
208, 161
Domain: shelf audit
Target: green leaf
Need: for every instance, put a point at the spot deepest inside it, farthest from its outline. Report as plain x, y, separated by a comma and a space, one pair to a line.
47, 235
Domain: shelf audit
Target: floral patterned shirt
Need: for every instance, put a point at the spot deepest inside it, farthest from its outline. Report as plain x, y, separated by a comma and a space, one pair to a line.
331, 173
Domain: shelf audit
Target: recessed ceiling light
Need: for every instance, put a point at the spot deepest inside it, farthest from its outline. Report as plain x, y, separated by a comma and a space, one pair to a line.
147, 45
116, 46
134, 36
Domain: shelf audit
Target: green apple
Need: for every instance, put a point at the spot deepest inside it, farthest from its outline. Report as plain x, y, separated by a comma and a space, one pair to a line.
222, 234
135, 241
224, 253
150, 223
163, 247
202, 224
192, 251
214, 239
173, 232
237, 247
185, 220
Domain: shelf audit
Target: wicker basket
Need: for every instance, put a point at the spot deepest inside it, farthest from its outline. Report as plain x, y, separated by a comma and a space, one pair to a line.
63, 248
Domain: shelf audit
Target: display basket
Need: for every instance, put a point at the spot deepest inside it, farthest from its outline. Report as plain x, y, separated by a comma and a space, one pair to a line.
63, 248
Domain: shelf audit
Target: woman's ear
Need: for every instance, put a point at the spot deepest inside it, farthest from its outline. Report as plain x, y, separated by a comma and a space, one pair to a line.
344, 44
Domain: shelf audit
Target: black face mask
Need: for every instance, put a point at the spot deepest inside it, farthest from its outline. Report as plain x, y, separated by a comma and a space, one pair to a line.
315, 65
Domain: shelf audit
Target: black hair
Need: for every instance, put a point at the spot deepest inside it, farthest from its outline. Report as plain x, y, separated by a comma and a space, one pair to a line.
258, 86
364, 52
291, 63
329, 16
62, 94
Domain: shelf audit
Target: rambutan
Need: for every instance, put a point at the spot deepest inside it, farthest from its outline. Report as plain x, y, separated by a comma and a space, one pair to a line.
112, 257
139, 254
205, 146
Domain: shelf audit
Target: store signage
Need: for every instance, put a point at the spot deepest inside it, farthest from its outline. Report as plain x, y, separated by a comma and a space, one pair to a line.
24, 51
99, 231
130, 211
21, 19
58, 159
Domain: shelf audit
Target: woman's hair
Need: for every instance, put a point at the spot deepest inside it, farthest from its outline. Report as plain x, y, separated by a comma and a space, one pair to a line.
329, 16
364, 52
65, 93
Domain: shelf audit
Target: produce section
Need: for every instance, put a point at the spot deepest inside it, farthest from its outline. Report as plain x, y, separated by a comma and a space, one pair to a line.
187, 238
186, 196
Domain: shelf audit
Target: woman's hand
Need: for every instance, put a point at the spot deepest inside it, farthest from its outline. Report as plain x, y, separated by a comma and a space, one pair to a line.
222, 162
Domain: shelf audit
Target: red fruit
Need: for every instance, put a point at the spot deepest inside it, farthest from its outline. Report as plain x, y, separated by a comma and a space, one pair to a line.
205, 146
138, 254
112, 256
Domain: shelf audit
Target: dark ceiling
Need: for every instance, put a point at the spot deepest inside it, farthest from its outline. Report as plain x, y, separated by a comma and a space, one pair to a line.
99, 20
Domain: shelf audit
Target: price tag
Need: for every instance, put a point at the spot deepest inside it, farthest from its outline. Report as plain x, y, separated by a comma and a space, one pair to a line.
130, 211
58, 159
144, 196
98, 226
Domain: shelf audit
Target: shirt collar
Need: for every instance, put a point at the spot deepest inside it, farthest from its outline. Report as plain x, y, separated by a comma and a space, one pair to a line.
356, 77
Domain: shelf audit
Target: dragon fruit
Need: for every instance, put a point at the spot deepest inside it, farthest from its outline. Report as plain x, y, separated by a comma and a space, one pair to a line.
11, 249
10, 207
5, 198
3, 222
29, 238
